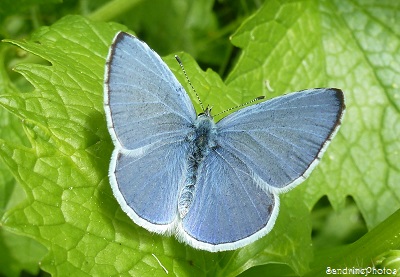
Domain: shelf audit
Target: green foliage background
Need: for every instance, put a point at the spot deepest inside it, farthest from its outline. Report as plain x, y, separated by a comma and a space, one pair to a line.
58, 214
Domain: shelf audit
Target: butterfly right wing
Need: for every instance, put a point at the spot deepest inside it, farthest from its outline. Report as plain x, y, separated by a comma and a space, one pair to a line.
144, 102
149, 116
147, 186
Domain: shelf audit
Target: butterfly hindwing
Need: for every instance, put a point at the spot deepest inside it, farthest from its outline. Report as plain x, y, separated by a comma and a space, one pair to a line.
229, 208
147, 185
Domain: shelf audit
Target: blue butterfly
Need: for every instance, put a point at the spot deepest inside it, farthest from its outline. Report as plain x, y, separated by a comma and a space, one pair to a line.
213, 185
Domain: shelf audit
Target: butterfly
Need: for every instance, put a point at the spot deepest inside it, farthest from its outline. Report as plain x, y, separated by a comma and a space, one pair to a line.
214, 185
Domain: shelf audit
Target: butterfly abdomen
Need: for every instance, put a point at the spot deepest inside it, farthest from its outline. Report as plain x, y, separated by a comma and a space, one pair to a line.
201, 141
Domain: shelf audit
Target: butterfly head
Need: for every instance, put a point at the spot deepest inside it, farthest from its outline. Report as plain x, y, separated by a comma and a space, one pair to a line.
206, 113
205, 122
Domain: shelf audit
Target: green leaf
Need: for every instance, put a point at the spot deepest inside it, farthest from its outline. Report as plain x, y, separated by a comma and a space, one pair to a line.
303, 44
184, 19
295, 45
364, 253
70, 207
17, 253
286, 46
10, 6
189, 26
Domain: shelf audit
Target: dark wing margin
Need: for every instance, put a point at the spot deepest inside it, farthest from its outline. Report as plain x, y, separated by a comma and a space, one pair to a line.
283, 139
229, 209
143, 101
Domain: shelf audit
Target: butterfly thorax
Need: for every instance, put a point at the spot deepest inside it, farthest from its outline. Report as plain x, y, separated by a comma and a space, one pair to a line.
204, 135
201, 141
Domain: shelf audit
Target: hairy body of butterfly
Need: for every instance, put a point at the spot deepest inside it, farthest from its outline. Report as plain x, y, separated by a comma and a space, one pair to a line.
201, 141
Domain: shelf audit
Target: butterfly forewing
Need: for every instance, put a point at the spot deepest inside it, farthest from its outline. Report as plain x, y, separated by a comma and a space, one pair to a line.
144, 102
282, 138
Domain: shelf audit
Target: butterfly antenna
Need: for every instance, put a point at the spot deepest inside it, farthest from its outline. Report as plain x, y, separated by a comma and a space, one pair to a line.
190, 83
242, 105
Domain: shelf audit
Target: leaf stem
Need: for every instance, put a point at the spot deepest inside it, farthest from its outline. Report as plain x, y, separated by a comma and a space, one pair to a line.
361, 254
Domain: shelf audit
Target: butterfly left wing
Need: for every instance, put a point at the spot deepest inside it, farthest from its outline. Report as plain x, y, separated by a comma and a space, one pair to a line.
229, 209
283, 139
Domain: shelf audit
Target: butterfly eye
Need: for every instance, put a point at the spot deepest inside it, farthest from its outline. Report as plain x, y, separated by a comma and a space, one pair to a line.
207, 112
